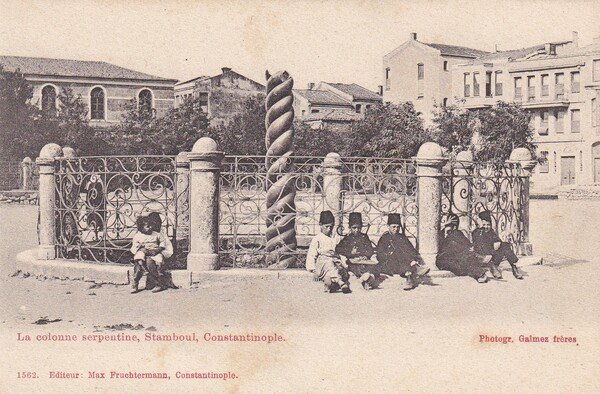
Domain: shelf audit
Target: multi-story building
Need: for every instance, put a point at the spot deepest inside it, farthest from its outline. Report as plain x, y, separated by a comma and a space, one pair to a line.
421, 73
221, 96
333, 104
560, 84
105, 88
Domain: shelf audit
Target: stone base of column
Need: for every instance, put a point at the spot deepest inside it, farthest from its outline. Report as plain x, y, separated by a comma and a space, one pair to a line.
429, 260
525, 249
46, 252
197, 262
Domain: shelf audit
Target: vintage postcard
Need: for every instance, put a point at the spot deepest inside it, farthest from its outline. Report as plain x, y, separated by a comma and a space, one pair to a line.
299, 196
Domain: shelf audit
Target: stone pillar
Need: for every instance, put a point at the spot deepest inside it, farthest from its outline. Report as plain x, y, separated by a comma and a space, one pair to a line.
69, 152
523, 157
182, 198
430, 160
205, 168
46, 226
462, 190
332, 186
26, 173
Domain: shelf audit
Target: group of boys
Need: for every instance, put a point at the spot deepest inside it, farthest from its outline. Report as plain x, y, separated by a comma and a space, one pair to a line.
332, 257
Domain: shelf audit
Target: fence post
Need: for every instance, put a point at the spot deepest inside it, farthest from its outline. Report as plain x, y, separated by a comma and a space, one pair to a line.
523, 157
46, 225
461, 192
69, 152
205, 168
26, 173
182, 198
332, 185
430, 160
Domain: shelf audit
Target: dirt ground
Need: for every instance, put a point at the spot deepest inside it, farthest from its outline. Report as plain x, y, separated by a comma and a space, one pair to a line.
386, 340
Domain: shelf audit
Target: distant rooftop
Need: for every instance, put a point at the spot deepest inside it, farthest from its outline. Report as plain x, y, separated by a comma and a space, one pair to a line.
322, 97
225, 70
74, 68
332, 115
356, 91
453, 50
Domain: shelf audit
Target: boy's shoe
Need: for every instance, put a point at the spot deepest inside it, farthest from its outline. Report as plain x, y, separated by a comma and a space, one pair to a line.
496, 273
410, 283
421, 269
135, 289
346, 288
517, 272
158, 289
482, 279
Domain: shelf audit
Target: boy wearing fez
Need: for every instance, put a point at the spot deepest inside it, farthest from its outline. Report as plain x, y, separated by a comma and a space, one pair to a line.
398, 255
487, 243
358, 249
322, 259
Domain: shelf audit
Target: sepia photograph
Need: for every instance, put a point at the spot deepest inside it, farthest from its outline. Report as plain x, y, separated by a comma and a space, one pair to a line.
304, 196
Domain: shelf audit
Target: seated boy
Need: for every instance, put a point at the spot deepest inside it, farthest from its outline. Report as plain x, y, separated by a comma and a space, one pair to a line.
147, 247
322, 259
486, 242
359, 251
398, 255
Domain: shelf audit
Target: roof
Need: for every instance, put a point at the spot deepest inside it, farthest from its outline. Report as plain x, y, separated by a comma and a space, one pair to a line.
453, 50
356, 91
73, 68
332, 115
322, 97
218, 76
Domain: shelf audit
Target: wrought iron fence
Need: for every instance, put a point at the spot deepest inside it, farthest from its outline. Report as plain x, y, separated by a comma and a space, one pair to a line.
373, 186
470, 188
98, 199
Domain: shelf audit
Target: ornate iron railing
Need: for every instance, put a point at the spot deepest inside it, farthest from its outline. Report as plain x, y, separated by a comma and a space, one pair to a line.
373, 186
98, 200
470, 188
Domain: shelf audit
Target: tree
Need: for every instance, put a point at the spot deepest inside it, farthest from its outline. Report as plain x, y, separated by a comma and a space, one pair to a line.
315, 142
389, 130
453, 127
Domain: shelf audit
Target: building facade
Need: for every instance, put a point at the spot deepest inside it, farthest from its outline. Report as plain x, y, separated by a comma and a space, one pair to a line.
559, 83
421, 73
221, 96
105, 88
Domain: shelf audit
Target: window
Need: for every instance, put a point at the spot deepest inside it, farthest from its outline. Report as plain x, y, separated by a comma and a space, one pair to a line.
554, 155
467, 85
543, 130
575, 121
445, 65
518, 87
97, 103
545, 89
530, 88
303, 112
314, 111
358, 108
596, 70
580, 160
420, 71
475, 84
387, 78
49, 100
560, 86
445, 102
368, 107
595, 112
575, 85
145, 102
544, 164
559, 121
488, 84
498, 83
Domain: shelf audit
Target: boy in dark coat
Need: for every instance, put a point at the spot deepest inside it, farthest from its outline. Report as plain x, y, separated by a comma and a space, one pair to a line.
487, 243
398, 256
358, 249
456, 252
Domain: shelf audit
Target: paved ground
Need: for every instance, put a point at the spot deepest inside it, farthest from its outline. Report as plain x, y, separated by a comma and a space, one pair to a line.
383, 340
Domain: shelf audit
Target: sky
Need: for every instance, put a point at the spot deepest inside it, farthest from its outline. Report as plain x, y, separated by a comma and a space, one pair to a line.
331, 40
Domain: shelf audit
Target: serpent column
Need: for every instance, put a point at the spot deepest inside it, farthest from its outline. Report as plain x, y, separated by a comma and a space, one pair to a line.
281, 189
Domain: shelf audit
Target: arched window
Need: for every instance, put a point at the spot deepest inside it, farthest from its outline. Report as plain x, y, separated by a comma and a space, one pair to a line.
145, 102
97, 104
49, 100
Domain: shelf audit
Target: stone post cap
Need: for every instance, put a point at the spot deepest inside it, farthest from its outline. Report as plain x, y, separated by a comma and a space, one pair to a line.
205, 145
465, 155
520, 154
49, 152
27, 160
431, 154
332, 159
69, 152
182, 159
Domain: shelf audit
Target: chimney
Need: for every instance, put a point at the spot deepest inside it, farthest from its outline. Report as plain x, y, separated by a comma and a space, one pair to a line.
495, 47
547, 47
311, 85
575, 39
225, 69
380, 90
413, 36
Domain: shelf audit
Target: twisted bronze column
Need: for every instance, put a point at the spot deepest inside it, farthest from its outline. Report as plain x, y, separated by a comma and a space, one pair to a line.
281, 189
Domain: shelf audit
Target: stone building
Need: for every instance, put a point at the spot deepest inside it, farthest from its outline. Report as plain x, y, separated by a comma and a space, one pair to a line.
333, 104
559, 82
421, 73
221, 96
105, 88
